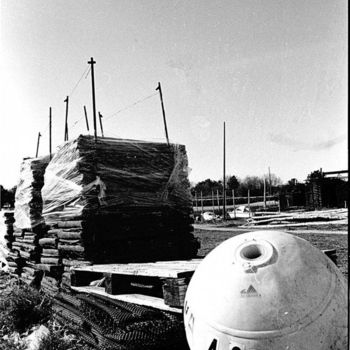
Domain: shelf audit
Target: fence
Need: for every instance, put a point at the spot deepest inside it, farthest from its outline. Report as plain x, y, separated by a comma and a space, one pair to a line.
215, 201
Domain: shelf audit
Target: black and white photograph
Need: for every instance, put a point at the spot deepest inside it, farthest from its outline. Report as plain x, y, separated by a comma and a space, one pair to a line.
174, 175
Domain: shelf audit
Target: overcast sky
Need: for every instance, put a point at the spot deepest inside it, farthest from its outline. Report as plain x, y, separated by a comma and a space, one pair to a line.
275, 71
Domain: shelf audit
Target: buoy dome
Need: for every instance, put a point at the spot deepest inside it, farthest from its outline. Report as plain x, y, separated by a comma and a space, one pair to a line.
266, 290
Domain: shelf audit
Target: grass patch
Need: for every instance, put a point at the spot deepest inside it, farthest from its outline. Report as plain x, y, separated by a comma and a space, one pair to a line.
10, 344
60, 338
22, 307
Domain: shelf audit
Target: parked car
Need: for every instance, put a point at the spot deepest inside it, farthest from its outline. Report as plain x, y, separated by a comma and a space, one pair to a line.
209, 216
242, 211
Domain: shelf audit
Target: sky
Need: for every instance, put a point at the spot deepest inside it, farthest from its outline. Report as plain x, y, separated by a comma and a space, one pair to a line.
274, 71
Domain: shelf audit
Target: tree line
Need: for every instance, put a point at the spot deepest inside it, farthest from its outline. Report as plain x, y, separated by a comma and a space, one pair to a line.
255, 184
317, 190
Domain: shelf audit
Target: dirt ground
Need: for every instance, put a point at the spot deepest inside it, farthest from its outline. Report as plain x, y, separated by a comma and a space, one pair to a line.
210, 239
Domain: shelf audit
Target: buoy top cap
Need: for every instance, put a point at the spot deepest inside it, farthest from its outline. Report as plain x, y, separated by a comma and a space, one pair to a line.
254, 253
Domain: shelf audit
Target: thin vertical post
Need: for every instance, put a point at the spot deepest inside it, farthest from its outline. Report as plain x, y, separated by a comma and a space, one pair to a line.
249, 202
270, 192
100, 118
37, 145
264, 192
212, 201
195, 199
92, 62
86, 119
50, 133
224, 175
159, 88
218, 199
279, 204
66, 121
233, 202
202, 201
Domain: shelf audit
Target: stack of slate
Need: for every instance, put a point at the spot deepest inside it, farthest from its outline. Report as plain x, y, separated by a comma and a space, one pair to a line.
15, 262
114, 200
30, 225
9, 223
50, 263
28, 200
26, 244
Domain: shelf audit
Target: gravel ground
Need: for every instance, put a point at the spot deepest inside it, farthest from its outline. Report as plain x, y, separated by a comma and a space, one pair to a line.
210, 239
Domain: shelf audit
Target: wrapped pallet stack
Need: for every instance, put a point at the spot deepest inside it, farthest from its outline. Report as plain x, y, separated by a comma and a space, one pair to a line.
29, 223
116, 200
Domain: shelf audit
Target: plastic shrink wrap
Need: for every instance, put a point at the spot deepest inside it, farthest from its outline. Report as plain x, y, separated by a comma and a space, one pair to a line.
28, 200
119, 200
28, 225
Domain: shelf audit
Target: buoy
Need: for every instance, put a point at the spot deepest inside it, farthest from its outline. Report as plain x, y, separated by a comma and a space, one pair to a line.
266, 290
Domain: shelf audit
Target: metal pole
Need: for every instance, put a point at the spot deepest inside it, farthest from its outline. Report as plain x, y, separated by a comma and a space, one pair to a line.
264, 192
66, 122
279, 204
50, 133
270, 192
233, 202
86, 119
224, 175
163, 110
100, 117
212, 200
249, 202
195, 198
37, 145
92, 62
202, 200
217, 196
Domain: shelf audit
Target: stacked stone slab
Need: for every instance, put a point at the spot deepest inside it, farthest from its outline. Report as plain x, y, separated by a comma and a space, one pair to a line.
29, 223
15, 262
9, 223
114, 200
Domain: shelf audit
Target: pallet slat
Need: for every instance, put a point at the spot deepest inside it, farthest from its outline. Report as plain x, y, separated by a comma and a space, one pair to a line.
157, 269
167, 280
138, 299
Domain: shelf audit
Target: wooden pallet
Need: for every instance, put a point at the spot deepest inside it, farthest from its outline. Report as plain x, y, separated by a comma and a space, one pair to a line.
167, 280
159, 284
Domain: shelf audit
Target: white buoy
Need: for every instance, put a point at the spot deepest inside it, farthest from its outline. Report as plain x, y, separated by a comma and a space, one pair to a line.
266, 290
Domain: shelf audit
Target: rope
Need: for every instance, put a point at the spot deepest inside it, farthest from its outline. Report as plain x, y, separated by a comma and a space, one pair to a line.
117, 112
131, 105
86, 72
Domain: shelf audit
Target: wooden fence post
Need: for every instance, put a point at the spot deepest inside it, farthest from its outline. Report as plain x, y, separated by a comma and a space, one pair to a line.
233, 202
249, 202
195, 199
202, 201
218, 199
212, 200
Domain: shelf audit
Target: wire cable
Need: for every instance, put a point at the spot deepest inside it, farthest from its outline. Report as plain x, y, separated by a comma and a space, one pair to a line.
131, 105
85, 73
76, 122
47, 126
